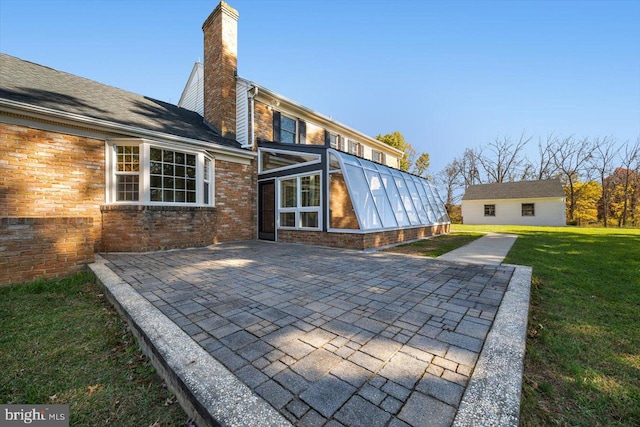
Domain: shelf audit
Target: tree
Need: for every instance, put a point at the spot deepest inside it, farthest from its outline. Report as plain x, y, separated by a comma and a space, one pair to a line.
587, 195
448, 180
468, 168
422, 164
629, 157
570, 157
601, 162
396, 140
502, 158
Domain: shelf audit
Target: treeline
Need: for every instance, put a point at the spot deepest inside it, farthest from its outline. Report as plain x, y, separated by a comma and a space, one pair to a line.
601, 176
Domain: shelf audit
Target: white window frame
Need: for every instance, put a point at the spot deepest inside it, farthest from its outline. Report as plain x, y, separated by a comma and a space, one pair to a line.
144, 195
298, 209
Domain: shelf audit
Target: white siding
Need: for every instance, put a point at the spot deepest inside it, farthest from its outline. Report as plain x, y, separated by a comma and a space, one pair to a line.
548, 211
193, 95
242, 112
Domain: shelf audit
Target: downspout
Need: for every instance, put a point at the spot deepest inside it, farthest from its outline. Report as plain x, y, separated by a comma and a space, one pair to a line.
253, 132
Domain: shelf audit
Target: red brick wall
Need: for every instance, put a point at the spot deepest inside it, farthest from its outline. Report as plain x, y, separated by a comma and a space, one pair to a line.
236, 201
31, 248
49, 174
133, 228
360, 240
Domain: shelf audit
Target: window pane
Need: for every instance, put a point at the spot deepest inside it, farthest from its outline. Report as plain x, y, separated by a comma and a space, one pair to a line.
167, 179
407, 202
287, 123
167, 156
206, 193
288, 193
128, 158
310, 190
155, 154
287, 219
380, 199
396, 201
270, 160
127, 188
362, 200
342, 214
309, 219
334, 164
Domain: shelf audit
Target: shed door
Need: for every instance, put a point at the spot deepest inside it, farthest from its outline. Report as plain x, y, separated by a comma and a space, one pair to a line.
267, 210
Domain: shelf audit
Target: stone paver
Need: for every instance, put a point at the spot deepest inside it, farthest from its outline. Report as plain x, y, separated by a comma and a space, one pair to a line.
329, 335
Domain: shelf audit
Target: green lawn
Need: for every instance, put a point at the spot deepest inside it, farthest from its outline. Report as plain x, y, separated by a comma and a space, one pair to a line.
437, 245
582, 365
61, 342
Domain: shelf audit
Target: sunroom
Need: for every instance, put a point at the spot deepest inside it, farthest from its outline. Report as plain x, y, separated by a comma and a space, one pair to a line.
319, 195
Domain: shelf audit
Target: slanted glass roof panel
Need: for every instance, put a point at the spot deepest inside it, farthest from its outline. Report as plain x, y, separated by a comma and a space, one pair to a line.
406, 200
386, 198
395, 199
417, 200
361, 198
381, 199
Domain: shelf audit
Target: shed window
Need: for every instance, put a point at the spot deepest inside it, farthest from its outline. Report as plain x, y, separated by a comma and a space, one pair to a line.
489, 210
528, 209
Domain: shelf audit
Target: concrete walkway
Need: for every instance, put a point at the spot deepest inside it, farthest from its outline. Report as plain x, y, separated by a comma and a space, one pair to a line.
488, 250
256, 333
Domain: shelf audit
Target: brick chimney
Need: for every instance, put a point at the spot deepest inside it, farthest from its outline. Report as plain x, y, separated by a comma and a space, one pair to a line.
220, 69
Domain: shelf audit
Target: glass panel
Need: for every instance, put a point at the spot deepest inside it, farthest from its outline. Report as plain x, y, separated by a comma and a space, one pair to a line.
417, 201
287, 219
310, 190
361, 198
380, 199
191, 185
396, 201
191, 197
431, 217
206, 193
334, 164
406, 200
309, 219
341, 213
191, 160
167, 156
128, 158
155, 154
272, 160
288, 193
347, 159
287, 123
127, 188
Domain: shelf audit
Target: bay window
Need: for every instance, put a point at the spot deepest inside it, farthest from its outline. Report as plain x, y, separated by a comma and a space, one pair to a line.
149, 173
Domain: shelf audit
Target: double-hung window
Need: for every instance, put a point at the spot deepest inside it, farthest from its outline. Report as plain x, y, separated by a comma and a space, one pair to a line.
144, 172
127, 173
300, 202
377, 156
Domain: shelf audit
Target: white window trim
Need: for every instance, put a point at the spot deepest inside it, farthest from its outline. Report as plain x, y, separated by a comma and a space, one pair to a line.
299, 208
144, 197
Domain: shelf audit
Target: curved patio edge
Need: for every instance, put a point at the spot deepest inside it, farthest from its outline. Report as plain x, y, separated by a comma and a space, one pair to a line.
492, 397
206, 390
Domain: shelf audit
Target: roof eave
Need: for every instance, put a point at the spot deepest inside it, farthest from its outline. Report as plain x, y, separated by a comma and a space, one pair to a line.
43, 113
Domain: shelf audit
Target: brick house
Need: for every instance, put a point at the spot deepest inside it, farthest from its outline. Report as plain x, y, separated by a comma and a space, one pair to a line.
86, 167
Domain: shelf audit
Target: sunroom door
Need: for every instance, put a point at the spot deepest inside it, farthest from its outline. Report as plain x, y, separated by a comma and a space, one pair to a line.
267, 210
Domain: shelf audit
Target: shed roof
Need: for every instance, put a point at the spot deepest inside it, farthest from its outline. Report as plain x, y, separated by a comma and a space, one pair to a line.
515, 190
41, 86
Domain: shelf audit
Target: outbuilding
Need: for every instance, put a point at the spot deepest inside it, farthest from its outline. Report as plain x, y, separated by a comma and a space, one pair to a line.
515, 203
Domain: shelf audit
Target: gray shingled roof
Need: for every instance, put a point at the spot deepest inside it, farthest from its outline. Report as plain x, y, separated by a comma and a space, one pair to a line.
41, 86
515, 190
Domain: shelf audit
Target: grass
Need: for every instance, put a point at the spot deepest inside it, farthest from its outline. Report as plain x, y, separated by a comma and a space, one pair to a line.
61, 342
438, 245
582, 364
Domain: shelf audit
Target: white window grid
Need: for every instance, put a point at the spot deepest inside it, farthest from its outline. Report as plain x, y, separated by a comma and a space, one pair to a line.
299, 212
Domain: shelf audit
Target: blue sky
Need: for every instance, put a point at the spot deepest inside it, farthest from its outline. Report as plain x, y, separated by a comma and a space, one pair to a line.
448, 75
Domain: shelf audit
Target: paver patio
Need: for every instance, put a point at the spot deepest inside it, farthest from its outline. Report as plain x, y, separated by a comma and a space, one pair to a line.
329, 336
